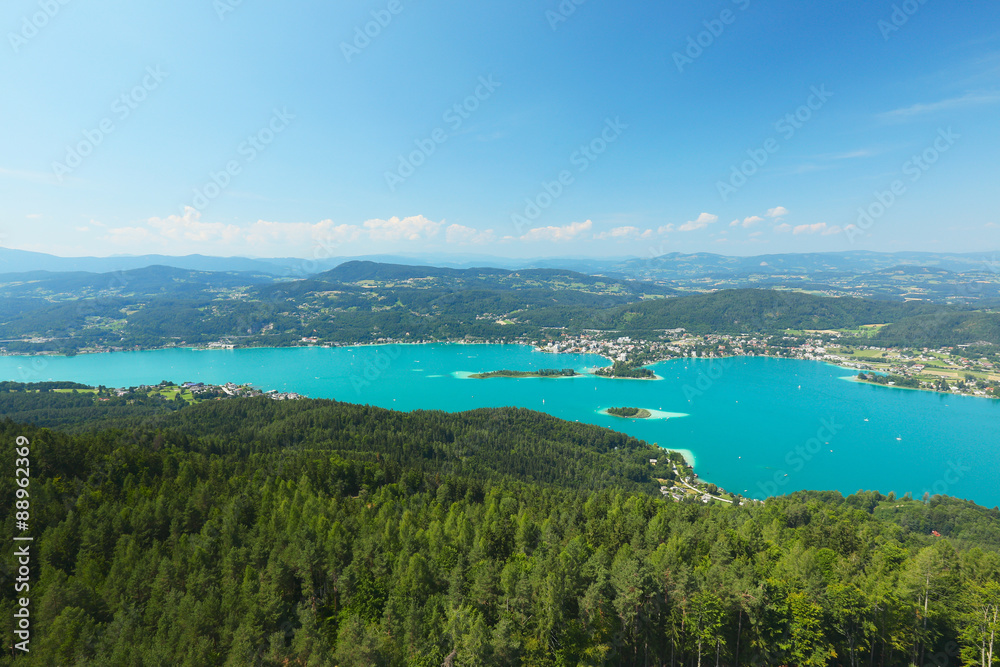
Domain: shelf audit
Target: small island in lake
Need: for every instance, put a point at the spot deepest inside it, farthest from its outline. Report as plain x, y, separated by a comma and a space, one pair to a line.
630, 413
623, 369
540, 373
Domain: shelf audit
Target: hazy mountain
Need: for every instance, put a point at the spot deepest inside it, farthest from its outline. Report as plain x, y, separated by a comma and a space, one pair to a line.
666, 267
151, 280
678, 265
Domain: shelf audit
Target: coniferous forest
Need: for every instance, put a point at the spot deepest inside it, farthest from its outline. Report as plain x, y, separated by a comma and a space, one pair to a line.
256, 532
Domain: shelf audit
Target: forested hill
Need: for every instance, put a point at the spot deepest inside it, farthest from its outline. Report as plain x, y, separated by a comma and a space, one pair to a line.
362, 301
395, 275
144, 282
761, 310
767, 311
353, 271
358, 302
251, 532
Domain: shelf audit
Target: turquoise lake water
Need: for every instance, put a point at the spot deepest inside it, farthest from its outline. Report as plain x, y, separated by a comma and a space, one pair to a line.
755, 426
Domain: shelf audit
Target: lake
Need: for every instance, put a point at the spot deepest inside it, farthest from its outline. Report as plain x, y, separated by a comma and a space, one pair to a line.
753, 425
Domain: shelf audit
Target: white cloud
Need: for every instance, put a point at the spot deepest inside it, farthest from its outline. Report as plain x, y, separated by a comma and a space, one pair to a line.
187, 232
265, 232
702, 221
783, 227
413, 228
809, 229
624, 233
752, 220
189, 227
557, 234
666, 229
776, 212
462, 235
132, 236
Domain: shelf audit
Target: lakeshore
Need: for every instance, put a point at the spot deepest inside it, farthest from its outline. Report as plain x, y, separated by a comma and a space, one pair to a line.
965, 372
748, 417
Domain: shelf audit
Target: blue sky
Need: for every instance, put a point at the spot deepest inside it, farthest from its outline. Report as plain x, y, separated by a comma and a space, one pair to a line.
231, 127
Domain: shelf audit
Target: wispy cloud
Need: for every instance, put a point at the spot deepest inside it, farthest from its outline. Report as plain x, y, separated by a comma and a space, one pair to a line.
850, 155
920, 109
26, 175
815, 228
626, 233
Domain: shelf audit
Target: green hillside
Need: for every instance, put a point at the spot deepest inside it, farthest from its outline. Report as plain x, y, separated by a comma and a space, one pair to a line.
252, 532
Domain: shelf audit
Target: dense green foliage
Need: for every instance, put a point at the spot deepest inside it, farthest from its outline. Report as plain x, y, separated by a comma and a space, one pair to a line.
626, 412
541, 372
752, 310
624, 369
7, 385
357, 302
897, 380
35, 403
366, 301
255, 532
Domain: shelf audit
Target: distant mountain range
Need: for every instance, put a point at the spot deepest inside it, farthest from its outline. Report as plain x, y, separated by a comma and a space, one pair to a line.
677, 265
665, 267
22, 261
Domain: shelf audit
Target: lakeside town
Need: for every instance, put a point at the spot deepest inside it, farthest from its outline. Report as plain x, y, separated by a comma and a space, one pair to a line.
194, 391
960, 369
952, 369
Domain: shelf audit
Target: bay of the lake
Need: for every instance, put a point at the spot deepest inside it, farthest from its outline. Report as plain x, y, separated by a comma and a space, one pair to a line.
756, 426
